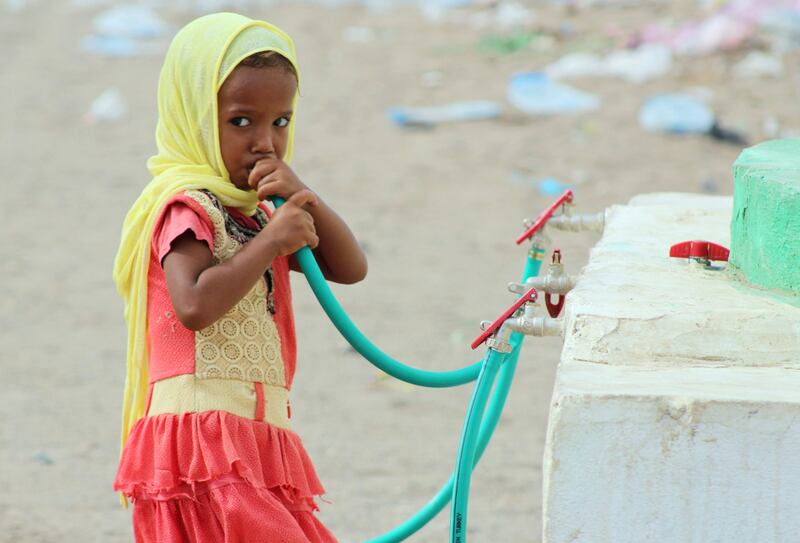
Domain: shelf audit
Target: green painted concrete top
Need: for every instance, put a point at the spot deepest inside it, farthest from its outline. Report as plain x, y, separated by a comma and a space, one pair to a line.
765, 227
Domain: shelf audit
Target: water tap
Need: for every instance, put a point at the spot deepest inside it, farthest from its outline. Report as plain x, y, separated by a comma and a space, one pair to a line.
554, 282
700, 252
496, 333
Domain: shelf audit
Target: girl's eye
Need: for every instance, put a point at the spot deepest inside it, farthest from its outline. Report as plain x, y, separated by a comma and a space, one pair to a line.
240, 121
282, 122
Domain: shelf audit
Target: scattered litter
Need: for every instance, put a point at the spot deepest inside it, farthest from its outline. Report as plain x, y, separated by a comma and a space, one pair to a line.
88, 4
574, 4
732, 26
209, 6
534, 92
358, 34
107, 108
547, 186
783, 28
509, 43
126, 31
112, 46
433, 115
635, 66
505, 15
685, 114
677, 114
130, 21
43, 458
550, 186
437, 11
718, 33
726, 135
757, 65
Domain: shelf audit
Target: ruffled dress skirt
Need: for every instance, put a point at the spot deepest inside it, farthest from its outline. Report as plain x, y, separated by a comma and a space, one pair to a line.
215, 477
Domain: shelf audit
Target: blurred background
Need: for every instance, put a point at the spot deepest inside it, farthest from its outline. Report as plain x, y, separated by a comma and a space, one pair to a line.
434, 128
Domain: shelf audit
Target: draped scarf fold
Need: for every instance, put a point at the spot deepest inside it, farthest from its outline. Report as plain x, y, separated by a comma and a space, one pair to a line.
198, 61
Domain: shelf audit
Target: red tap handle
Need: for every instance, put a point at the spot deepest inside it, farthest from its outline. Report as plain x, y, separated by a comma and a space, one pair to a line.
699, 249
529, 296
542, 219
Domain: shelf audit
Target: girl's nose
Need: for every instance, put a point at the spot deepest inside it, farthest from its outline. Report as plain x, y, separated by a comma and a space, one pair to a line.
263, 144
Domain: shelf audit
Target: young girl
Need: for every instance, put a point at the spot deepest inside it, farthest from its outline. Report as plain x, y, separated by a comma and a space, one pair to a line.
208, 453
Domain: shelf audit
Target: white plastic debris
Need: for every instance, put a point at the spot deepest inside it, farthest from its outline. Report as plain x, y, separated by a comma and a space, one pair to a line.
438, 11
130, 21
505, 16
109, 107
757, 65
635, 66
677, 114
535, 93
453, 112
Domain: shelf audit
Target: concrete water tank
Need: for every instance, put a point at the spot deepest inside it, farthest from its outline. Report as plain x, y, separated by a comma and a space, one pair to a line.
675, 411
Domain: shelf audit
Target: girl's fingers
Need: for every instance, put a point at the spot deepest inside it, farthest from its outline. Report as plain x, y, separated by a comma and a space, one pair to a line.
270, 186
303, 197
265, 190
262, 169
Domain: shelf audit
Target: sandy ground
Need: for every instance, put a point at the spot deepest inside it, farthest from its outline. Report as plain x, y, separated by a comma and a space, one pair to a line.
437, 210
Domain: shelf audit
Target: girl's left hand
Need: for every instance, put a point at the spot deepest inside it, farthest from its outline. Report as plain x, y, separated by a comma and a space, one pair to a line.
273, 177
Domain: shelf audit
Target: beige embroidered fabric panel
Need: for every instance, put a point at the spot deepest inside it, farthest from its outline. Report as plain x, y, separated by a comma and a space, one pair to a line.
244, 344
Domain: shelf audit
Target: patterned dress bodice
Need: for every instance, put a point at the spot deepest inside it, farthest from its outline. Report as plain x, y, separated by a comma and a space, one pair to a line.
244, 343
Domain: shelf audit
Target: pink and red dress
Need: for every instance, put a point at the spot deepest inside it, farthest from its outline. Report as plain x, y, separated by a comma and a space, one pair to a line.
214, 459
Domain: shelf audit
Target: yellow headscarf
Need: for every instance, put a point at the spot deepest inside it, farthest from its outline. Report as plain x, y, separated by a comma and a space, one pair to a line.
198, 61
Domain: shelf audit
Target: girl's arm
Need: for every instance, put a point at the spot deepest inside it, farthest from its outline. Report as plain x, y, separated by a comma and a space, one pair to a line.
340, 257
202, 292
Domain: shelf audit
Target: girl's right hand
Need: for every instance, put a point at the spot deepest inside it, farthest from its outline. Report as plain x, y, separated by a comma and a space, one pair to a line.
291, 227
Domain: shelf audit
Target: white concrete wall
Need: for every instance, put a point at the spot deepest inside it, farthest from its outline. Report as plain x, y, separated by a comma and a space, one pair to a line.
673, 416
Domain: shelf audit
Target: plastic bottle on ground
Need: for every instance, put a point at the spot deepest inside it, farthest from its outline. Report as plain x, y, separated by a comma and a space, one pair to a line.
534, 92
453, 112
677, 114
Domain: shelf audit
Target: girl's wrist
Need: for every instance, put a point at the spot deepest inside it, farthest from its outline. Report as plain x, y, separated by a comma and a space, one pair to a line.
267, 246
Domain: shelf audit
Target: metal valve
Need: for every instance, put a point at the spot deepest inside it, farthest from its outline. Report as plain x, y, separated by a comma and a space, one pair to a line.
700, 251
555, 282
536, 226
555, 271
495, 328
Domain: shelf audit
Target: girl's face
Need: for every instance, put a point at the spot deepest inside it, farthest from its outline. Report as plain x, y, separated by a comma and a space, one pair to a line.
254, 109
